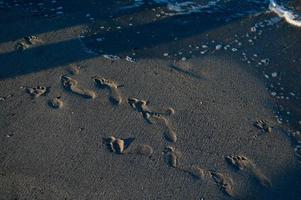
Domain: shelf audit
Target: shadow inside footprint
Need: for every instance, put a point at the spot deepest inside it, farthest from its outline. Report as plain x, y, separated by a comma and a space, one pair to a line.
56, 102
27, 42
171, 157
38, 91
263, 125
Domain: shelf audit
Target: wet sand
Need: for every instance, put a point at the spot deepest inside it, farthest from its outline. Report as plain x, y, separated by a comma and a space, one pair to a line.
209, 115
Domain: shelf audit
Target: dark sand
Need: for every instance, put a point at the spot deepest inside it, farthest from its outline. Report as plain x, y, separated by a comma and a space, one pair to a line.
49, 152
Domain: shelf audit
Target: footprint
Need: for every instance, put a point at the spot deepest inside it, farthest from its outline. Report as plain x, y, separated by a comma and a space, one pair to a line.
224, 181
27, 42
117, 145
169, 133
244, 164
153, 117
38, 91
144, 150
112, 86
56, 102
21, 46
72, 85
32, 40
195, 171
263, 125
142, 107
171, 157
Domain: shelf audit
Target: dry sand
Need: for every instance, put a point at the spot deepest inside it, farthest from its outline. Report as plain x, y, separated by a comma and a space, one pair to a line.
53, 144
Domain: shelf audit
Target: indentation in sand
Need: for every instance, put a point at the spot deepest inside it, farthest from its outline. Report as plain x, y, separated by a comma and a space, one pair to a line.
169, 133
144, 150
244, 164
117, 145
26, 42
56, 102
38, 91
171, 156
72, 85
224, 181
263, 125
112, 86
148, 114
195, 171
153, 117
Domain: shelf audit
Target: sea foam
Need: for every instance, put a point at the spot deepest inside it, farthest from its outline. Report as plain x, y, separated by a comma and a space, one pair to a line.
288, 15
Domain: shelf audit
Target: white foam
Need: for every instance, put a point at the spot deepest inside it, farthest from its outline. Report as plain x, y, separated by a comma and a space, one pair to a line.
176, 8
288, 15
189, 7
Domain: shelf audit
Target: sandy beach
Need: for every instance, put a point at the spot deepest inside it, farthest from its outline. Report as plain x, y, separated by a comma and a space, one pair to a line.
130, 100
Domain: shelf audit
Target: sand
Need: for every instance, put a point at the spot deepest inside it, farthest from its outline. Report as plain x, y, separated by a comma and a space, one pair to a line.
194, 131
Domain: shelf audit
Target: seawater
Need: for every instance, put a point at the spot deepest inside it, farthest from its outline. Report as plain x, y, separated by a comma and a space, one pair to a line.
235, 8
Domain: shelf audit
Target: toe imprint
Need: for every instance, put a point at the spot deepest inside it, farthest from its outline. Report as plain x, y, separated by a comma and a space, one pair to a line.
263, 125
27, 42
38, 91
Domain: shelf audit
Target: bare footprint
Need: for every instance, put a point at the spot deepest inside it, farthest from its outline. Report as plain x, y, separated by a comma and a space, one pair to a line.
56, 102
112, 86
224, 181
148, 114
27, 42
21, 46
32, 40
169, 133
172, 156
72, 85
244, 164
38, 91
195, 171
144, 150
117, 145
263, 125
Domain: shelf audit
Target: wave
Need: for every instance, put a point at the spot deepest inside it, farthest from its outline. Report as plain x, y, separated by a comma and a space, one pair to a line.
289, 15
